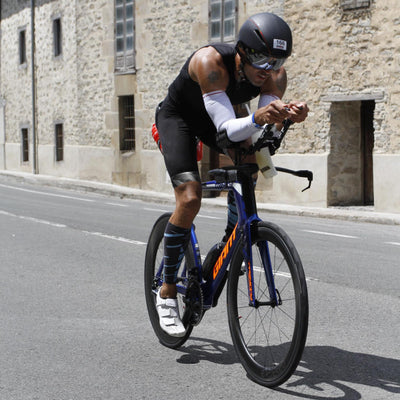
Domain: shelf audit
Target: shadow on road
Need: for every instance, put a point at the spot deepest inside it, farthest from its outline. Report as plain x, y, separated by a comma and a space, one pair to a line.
324, 370
209, 350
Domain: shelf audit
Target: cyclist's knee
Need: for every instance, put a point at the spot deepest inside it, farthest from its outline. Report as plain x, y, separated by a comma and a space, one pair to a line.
188, 197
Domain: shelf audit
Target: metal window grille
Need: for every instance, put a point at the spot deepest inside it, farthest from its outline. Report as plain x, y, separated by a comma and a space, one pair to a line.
354, 4
59, 141
22, 46
124, 36
57, 38
25, 144
126, 123
222, 20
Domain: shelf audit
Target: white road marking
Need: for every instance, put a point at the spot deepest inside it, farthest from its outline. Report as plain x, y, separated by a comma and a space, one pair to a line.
393, 243
118, 238
330, 234
54, 224
117, 204
208, 216
40, 221
285, 274
47, 194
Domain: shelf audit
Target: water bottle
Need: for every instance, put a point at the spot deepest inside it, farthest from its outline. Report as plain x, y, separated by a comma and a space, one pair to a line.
264, 160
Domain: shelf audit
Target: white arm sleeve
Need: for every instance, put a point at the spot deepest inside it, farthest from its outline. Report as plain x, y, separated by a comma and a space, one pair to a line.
265, 99
221, 112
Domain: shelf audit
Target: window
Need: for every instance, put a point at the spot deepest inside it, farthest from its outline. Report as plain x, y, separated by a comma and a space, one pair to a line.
354, 4
124, 36
59, 139
126, 123
222, 20
57, 38
25, 145
22, 46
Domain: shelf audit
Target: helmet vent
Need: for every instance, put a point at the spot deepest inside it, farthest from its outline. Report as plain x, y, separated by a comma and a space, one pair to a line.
261, 37
259, 34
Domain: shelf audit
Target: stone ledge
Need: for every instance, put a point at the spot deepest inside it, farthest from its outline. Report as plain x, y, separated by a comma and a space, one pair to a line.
332, 98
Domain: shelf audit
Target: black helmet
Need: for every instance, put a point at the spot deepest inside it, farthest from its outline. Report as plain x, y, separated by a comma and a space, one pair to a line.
266, 40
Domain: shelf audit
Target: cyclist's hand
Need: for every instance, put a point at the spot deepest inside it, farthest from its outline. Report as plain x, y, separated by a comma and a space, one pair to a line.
298, 111
273, 113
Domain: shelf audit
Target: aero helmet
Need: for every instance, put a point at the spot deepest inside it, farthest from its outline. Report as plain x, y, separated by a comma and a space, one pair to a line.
266, 41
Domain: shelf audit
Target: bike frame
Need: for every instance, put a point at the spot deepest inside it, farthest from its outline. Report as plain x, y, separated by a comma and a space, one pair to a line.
243, 190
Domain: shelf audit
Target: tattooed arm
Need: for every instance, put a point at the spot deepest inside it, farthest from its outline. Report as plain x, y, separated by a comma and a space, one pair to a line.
207, 69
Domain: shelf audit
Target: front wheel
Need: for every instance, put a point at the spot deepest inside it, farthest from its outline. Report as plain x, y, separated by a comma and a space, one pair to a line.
153, 280
269, 339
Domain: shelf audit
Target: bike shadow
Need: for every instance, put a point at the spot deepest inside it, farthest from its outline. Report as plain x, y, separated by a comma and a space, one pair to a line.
321, 368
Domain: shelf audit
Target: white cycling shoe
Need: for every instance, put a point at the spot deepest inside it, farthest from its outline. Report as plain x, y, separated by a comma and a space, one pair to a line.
168, 313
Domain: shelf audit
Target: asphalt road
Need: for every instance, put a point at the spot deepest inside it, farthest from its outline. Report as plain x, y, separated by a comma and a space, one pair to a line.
73, 321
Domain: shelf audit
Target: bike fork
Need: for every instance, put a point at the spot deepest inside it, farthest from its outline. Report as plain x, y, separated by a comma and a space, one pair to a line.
267, 266
274, 298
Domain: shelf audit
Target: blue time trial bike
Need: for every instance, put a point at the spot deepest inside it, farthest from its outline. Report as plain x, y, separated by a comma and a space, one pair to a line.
267, 299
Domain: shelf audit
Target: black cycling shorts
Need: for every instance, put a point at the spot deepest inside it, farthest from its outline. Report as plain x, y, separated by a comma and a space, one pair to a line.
178, 138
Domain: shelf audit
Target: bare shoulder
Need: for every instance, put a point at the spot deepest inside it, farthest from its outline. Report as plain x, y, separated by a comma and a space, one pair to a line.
206, 57
208, 70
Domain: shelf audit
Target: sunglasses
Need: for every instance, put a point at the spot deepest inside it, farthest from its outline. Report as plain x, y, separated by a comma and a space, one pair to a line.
261, 61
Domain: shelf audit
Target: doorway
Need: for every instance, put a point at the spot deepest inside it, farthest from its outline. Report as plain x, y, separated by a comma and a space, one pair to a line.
350, 162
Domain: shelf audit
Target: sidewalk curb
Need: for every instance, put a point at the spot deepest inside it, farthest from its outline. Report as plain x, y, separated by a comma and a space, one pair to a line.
342, 213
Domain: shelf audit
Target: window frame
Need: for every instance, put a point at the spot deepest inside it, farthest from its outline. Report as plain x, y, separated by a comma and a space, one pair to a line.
125, 61
355, 5
22, 53
59, 141
57, 36
222, 38
24, 132
127, 129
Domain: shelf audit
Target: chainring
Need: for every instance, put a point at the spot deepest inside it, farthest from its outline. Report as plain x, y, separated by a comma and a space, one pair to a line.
193, 301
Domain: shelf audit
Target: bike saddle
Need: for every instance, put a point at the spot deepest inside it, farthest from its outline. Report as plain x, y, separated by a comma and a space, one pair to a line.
232, 173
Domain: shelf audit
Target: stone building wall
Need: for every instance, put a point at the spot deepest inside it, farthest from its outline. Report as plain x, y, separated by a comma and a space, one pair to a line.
76, 88
165, 39
15, 78
95, 30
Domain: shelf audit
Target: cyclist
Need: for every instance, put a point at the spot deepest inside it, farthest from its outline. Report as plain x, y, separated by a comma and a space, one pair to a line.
199, 104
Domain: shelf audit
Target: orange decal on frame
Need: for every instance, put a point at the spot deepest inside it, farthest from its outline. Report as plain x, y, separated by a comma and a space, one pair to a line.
224, 253
251, 294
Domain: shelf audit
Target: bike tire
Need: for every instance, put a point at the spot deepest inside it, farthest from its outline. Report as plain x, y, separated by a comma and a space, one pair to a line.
269, 341
153, 259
